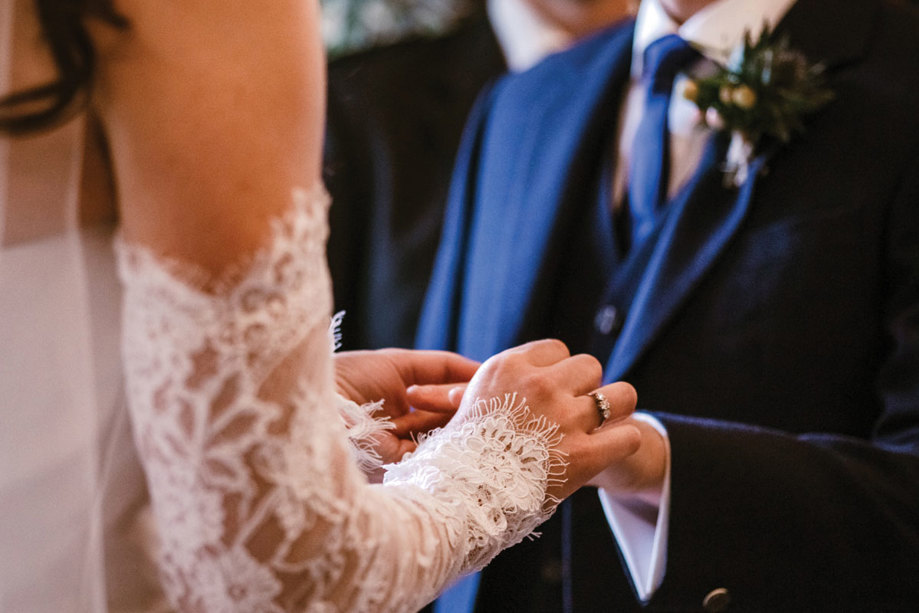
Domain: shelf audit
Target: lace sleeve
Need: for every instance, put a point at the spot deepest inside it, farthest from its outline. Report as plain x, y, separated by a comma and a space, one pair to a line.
259, 503
362, 428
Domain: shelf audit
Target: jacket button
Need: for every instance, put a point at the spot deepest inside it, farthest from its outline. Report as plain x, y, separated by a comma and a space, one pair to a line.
717, 600
606, 320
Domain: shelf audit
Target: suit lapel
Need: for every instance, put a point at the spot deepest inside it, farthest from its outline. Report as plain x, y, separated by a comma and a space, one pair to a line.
705, 216
701, 220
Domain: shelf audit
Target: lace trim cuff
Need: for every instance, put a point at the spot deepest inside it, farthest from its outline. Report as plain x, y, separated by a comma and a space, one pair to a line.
495, 467
363, 428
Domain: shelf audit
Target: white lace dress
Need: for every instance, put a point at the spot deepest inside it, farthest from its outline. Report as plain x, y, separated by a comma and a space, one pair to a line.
73, 518
258, 498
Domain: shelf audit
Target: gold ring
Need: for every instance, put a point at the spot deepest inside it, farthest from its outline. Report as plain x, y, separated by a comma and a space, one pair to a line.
602, 405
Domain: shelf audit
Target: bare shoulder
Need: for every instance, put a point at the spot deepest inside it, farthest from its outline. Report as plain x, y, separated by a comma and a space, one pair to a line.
214, 109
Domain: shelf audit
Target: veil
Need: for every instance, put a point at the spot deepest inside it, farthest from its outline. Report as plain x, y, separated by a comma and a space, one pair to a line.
69, 481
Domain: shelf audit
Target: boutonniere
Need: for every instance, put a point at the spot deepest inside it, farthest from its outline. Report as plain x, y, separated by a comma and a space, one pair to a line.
765, 91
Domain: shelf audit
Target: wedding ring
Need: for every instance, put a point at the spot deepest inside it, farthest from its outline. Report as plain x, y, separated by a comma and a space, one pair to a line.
602, 405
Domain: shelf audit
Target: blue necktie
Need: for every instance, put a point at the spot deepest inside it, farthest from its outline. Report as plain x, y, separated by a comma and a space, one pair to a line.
649, 168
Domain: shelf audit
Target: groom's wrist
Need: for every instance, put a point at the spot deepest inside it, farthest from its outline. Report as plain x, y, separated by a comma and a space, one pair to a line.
638, 479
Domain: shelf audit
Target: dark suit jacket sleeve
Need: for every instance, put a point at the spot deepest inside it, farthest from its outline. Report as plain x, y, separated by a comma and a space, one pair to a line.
776, 518
439, 315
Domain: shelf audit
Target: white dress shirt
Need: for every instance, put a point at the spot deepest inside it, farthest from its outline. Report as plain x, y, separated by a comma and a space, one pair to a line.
715, 31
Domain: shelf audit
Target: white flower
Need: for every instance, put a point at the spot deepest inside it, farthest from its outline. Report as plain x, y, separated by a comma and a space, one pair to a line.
737, 163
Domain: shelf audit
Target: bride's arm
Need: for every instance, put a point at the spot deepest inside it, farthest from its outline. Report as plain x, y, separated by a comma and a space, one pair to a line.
214, 112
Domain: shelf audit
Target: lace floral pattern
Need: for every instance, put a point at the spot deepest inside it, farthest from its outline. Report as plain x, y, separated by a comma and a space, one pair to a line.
258, 498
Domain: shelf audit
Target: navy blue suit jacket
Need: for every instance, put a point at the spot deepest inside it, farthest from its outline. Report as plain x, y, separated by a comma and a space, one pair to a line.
395, 116
774, 332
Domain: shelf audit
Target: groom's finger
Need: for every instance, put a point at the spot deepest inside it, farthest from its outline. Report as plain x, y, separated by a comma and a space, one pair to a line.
419, 367
456, 394
417, 422
440, 398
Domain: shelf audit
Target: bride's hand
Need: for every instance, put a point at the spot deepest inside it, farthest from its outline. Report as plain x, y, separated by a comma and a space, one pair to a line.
430, 382
556, 385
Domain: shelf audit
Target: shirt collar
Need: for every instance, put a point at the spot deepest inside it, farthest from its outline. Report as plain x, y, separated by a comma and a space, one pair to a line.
715, 30
524, 36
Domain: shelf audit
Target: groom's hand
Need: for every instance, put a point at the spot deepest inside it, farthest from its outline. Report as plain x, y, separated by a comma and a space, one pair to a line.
639, 476
430, 382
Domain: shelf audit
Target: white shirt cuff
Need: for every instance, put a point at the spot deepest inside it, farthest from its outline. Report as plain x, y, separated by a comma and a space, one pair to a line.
642, 531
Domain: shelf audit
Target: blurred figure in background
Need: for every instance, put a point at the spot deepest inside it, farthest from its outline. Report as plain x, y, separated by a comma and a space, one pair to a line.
395, 117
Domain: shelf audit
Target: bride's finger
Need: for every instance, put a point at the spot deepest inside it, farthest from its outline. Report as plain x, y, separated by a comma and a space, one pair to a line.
543, 352
611, 444
605, 406
621, 399
579, 374
585, 413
